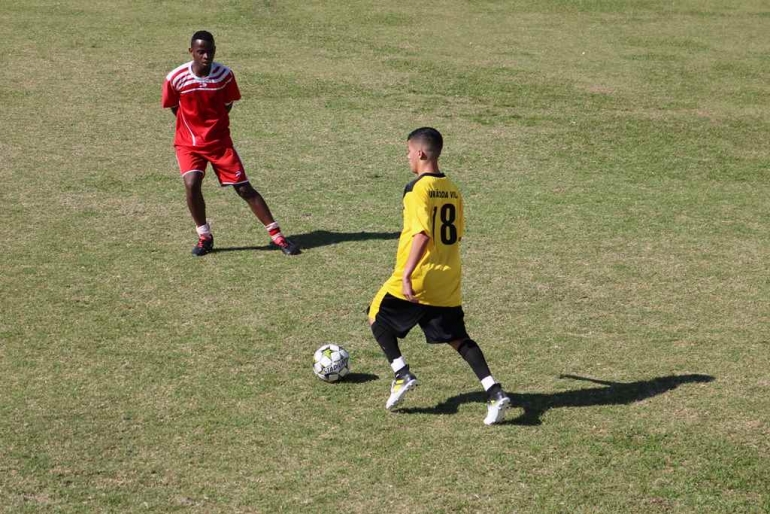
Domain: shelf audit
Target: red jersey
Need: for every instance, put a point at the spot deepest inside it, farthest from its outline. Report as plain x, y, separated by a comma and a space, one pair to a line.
202, 120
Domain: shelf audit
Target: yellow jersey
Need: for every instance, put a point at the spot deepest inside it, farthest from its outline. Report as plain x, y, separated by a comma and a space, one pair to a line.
433, 205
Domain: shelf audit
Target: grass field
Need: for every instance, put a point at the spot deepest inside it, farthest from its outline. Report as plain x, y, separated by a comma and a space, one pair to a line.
615, 162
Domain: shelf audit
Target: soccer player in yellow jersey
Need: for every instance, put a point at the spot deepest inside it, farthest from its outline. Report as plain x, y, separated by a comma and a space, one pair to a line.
425, 286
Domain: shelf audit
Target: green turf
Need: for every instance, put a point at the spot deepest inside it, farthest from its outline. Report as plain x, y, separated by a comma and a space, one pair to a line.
615, 163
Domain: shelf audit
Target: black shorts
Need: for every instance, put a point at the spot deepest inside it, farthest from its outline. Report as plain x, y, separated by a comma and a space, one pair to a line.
439, 324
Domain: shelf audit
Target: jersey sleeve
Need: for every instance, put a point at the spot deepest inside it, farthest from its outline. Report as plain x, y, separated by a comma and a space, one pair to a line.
169, 96
232, 93
418, 215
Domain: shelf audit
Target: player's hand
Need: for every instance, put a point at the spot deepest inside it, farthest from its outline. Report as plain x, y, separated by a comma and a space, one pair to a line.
408, 292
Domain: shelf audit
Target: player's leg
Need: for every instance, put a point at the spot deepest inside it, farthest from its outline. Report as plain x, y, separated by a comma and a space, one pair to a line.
193, 168
193, 182
229, 169
389, 321
497, 401
447, 325
256, 203
262, 212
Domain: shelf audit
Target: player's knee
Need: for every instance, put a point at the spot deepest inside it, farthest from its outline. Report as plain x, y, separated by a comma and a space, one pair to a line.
193, 182
379, 330
246, 191
465, 346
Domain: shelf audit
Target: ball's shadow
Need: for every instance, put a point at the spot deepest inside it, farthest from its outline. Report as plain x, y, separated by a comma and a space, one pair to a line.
359, 378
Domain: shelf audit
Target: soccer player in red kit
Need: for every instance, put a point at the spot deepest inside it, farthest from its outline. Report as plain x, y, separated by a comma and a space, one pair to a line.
201, 93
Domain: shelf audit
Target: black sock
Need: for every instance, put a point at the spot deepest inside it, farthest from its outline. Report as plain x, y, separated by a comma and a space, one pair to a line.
402, 372
495, 389
387, 341
473, 355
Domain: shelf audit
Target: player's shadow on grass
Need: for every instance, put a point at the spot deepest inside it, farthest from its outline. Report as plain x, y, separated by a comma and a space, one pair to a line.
537, 404
318, 238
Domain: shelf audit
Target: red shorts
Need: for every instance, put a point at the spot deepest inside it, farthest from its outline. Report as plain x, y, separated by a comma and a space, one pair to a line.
224, 161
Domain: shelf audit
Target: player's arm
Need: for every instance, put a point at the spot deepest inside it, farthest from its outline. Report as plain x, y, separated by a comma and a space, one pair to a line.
232, 93
169, 98
419, 245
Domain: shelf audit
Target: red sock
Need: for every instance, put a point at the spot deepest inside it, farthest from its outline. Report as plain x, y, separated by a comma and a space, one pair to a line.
275, 231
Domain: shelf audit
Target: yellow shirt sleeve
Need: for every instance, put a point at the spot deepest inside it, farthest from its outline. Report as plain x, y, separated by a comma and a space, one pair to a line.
418, 212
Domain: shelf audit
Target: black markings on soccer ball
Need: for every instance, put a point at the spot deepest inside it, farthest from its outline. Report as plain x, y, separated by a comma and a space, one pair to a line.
334, 368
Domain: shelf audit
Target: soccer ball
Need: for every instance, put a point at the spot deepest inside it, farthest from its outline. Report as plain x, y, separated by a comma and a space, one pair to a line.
330, 362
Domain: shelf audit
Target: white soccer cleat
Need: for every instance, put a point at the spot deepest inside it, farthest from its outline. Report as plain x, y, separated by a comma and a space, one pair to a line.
399, 388
497, 404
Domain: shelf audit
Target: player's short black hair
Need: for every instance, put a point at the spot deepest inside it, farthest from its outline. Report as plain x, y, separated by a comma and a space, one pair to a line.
202, 35
429, 137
